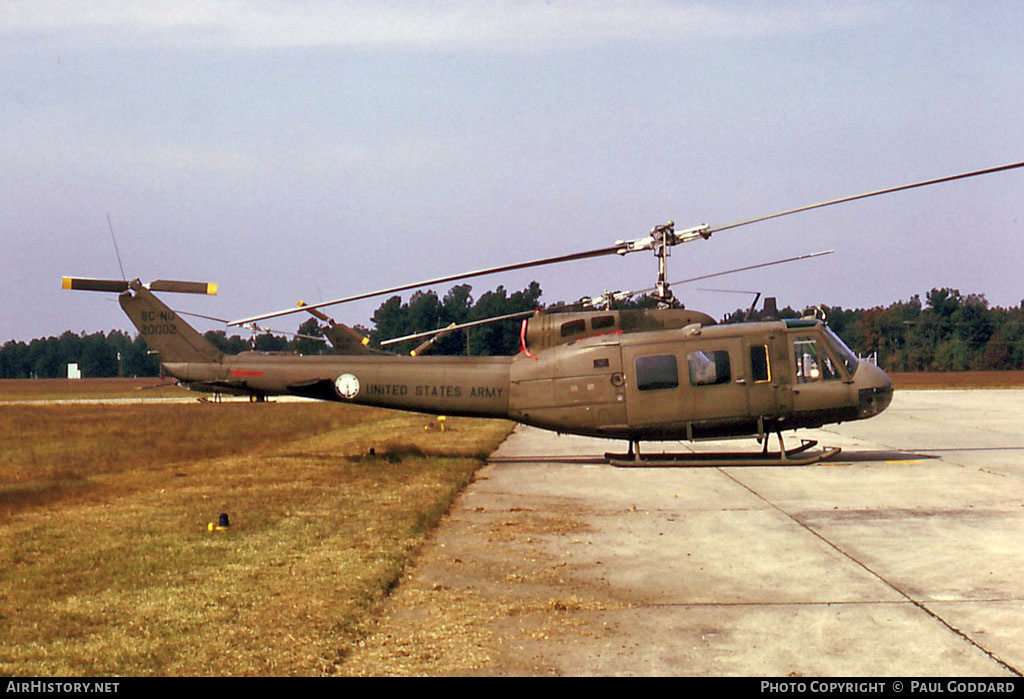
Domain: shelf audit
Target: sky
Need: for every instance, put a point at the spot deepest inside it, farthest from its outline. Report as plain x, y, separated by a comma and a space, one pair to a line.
314, 150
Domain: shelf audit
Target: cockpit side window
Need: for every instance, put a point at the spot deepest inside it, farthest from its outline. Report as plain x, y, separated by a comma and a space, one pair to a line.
812, 362
839, 348
760, 368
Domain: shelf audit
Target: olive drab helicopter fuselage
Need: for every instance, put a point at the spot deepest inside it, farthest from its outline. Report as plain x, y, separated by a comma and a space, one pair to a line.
665, 374
649, 375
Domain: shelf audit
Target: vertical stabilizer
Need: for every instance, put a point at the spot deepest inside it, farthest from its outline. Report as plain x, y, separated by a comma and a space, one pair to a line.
166, 334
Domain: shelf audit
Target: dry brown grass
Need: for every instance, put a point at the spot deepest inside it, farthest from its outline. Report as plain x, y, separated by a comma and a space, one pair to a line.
107, 567
947, 380
57, 389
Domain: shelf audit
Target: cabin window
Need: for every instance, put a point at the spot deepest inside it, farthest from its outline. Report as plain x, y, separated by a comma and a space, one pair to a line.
574, 327
656, 371
812, 364
601, 322
601, 363
760, 369
709, 367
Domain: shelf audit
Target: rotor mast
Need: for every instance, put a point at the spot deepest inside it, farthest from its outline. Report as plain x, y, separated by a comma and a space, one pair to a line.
662, 251
661, 240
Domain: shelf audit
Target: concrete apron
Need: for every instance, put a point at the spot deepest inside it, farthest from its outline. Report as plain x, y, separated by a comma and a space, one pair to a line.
902, 557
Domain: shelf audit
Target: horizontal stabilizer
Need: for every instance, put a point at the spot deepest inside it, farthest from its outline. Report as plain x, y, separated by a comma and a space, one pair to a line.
319, 315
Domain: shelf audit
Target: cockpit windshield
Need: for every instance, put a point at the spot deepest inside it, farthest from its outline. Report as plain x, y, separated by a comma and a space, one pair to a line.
839, 348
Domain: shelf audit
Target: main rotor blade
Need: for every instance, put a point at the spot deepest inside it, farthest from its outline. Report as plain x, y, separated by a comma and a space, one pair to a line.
523, 314
866, 195
271, 331
660, 235
758, 266
611, 250
728, 291
734, 271
453, 327
200, 315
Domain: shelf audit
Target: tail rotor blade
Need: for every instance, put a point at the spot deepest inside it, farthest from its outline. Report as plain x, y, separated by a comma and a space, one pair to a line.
184, 287
119, 285
85, 284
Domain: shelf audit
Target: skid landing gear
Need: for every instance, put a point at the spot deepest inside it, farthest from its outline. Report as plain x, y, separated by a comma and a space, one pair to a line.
797, 456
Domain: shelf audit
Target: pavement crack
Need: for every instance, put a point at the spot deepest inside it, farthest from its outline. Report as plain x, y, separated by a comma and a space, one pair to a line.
917, 603
804, 603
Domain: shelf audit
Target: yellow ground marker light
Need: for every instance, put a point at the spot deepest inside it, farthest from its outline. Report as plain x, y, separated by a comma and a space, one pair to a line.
222, 524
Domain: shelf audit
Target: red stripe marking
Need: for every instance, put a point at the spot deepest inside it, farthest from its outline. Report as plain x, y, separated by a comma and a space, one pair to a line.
244, 372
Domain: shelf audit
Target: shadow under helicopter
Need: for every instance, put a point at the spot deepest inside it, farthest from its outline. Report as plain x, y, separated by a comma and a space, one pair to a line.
729, 460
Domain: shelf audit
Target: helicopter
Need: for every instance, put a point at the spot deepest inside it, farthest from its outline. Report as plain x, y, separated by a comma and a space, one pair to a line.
655, 375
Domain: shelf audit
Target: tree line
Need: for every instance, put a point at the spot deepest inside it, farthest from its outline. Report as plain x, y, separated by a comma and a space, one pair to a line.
97, 354
117, 354
947, 331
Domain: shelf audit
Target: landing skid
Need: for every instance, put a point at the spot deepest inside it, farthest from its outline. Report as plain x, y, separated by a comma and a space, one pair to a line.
797, 456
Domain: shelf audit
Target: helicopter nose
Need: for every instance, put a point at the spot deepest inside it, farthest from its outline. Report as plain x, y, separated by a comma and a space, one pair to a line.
874, 390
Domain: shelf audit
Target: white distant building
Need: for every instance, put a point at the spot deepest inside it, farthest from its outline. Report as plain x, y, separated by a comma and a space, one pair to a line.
73, 371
